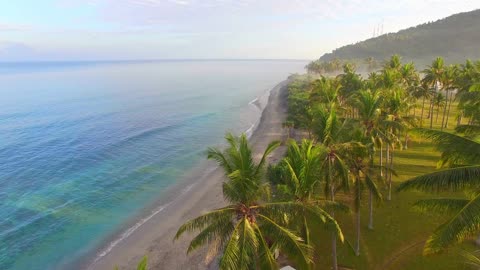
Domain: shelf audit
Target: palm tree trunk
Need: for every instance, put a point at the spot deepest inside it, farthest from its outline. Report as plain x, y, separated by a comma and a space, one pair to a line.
459, 119
381, 160
357, 243
334, 235
431, 114
306, 231
438, 110
389, 198
421, 115
370, 210
444, 111
387, 158
406, 140
430, 108
449, 105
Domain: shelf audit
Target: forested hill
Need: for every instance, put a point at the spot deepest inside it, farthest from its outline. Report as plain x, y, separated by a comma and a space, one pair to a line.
456, 38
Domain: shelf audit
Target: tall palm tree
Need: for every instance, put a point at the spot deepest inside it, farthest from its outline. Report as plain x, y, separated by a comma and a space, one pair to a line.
433, 78
439, 101
351, 82
468, 83
304, 182
369, 109
331, 133
425, 92
396, 122
461, 154
363, 175
249, 229
448, 82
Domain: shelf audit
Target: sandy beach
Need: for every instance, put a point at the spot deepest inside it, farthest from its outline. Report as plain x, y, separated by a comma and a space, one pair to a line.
154, 237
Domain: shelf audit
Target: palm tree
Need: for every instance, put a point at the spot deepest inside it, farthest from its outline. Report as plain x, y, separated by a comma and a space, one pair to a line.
369, 109
395, 122
331, 133
461, 154
350, 82
425, 92
468, 82
433, 78
439, 101
362, 174
448, 82
249, 229
303, 182
395, 62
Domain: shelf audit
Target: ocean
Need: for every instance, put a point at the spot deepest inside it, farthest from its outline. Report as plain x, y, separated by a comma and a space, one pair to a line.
86, 146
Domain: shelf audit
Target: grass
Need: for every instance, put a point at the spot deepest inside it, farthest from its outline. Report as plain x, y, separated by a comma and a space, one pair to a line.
399, 233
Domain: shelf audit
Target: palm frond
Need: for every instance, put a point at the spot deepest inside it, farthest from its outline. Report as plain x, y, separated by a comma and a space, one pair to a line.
287, 240
469, 130
445, 180
203, 221
455, 149
372, 187
270, 148
298, 210
217, 231
457, 229
266, 258
471, 258
440, 205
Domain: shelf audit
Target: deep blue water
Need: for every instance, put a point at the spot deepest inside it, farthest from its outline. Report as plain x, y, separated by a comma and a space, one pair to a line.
86, 146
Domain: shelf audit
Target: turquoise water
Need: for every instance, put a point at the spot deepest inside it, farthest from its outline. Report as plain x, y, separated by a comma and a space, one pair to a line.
86, 146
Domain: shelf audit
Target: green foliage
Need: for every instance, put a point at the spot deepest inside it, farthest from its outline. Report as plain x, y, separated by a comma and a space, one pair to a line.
251, 228
463, 154
142, 265
421, 43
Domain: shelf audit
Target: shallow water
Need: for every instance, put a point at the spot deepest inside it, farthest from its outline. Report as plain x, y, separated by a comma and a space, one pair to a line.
86, 146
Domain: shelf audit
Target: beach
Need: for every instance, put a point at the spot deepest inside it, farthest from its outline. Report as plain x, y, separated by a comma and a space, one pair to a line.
152, 235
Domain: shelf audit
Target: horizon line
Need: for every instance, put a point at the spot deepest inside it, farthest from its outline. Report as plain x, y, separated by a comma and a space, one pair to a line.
151, 60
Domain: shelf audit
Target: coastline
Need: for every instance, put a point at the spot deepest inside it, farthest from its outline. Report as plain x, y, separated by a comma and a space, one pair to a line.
152, 232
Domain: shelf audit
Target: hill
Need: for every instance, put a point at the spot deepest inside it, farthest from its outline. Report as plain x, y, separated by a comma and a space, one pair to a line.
456, 38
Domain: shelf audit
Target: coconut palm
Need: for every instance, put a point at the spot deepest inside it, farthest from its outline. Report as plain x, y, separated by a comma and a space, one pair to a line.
395, 62
369, 109
425, 92
439, 101
325, 90
448, 82
433, 78
350, 82
303, 182
249, 229
331, 133
363, 175
395, 122
461, 155
468, 83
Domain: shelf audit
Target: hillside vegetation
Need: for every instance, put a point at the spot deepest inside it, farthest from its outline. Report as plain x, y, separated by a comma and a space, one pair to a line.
456, 38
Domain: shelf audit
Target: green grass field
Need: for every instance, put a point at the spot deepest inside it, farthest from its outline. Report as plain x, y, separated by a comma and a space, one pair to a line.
399, 231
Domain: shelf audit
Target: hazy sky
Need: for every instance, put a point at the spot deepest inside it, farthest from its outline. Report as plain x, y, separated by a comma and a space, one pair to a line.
153, 29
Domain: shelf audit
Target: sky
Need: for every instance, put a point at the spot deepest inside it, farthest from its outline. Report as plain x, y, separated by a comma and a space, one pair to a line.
58, 30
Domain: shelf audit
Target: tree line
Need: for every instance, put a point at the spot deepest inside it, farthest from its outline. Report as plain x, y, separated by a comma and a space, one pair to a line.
354, 128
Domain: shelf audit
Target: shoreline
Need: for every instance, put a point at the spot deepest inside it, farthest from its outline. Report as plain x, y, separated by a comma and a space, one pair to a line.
151, 232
